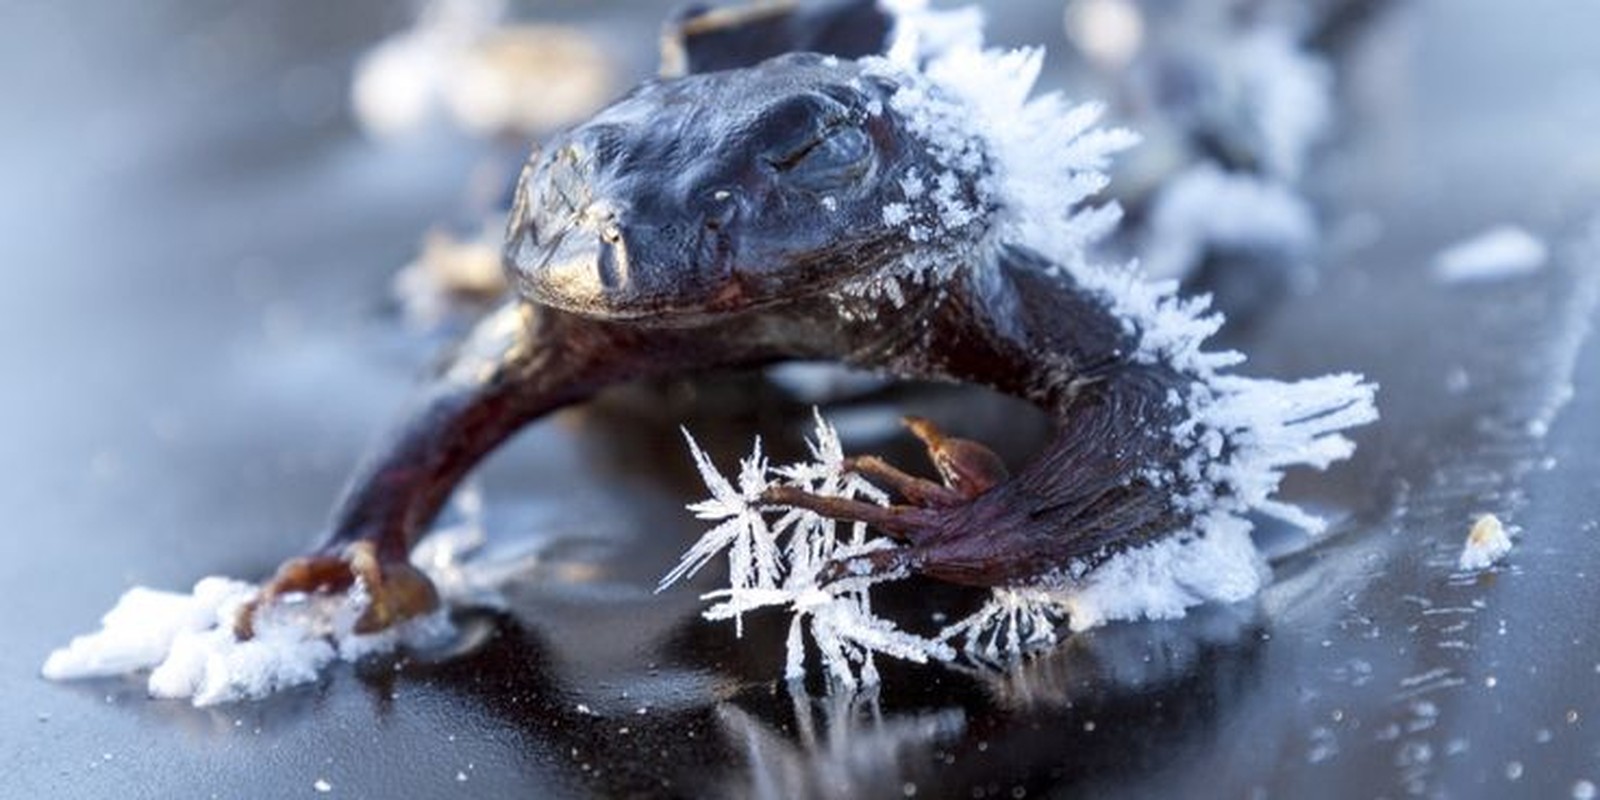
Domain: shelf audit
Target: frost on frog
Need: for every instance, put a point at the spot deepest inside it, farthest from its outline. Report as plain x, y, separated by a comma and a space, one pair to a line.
1020, 170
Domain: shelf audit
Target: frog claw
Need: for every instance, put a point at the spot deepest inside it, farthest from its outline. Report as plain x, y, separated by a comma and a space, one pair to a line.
396, 591
967, 467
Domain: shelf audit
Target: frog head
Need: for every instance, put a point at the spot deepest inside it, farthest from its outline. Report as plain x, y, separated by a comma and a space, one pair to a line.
719, 193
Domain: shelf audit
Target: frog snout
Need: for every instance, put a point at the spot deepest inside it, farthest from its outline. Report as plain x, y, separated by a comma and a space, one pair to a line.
625, 258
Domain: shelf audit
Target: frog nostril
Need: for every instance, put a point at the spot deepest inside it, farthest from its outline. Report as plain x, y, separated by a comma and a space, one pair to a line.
720, 209
602, 216
611, 265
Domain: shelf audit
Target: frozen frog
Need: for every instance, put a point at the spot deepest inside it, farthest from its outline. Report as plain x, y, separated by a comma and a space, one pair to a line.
914, 213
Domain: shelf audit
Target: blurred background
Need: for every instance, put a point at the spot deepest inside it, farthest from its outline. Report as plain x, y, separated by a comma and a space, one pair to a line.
238, 234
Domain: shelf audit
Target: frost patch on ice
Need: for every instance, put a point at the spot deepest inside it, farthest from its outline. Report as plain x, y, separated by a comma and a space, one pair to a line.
139, 630
1165, 579
1486, 544
187, 640
1505, 251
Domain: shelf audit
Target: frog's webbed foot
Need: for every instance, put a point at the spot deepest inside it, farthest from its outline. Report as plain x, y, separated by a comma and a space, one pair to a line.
967, 469
395, 590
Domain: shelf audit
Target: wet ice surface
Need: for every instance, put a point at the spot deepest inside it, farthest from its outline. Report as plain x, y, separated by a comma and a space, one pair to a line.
1370, 666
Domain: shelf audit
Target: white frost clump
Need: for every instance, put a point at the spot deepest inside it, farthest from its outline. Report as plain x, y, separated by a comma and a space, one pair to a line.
188, 643
1486, 544
776, 557
1016, 621
1504, 251
187, 640
1165, 579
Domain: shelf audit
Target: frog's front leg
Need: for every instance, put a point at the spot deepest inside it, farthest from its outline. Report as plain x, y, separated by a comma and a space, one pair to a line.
520, 363
1081, 500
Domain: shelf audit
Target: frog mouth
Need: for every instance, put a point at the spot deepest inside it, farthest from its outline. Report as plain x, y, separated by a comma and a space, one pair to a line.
593, 270
588, 265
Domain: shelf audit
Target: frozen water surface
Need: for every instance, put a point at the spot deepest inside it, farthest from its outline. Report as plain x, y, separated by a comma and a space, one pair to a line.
200, 247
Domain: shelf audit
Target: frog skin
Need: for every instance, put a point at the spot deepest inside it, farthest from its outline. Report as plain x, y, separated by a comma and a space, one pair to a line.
735, 219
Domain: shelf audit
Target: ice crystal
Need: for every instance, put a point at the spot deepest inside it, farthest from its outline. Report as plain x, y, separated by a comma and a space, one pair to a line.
742, 529
1014, 623
777, 558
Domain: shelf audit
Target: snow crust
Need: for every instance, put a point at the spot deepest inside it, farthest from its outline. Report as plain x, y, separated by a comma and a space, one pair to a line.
1501, 252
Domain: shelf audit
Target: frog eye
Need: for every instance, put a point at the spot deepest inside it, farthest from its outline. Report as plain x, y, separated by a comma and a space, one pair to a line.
839, 156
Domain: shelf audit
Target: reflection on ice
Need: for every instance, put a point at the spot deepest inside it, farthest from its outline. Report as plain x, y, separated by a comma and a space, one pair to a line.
855, 752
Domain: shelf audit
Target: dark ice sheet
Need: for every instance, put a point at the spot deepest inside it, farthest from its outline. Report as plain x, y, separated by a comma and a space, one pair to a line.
197, 250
